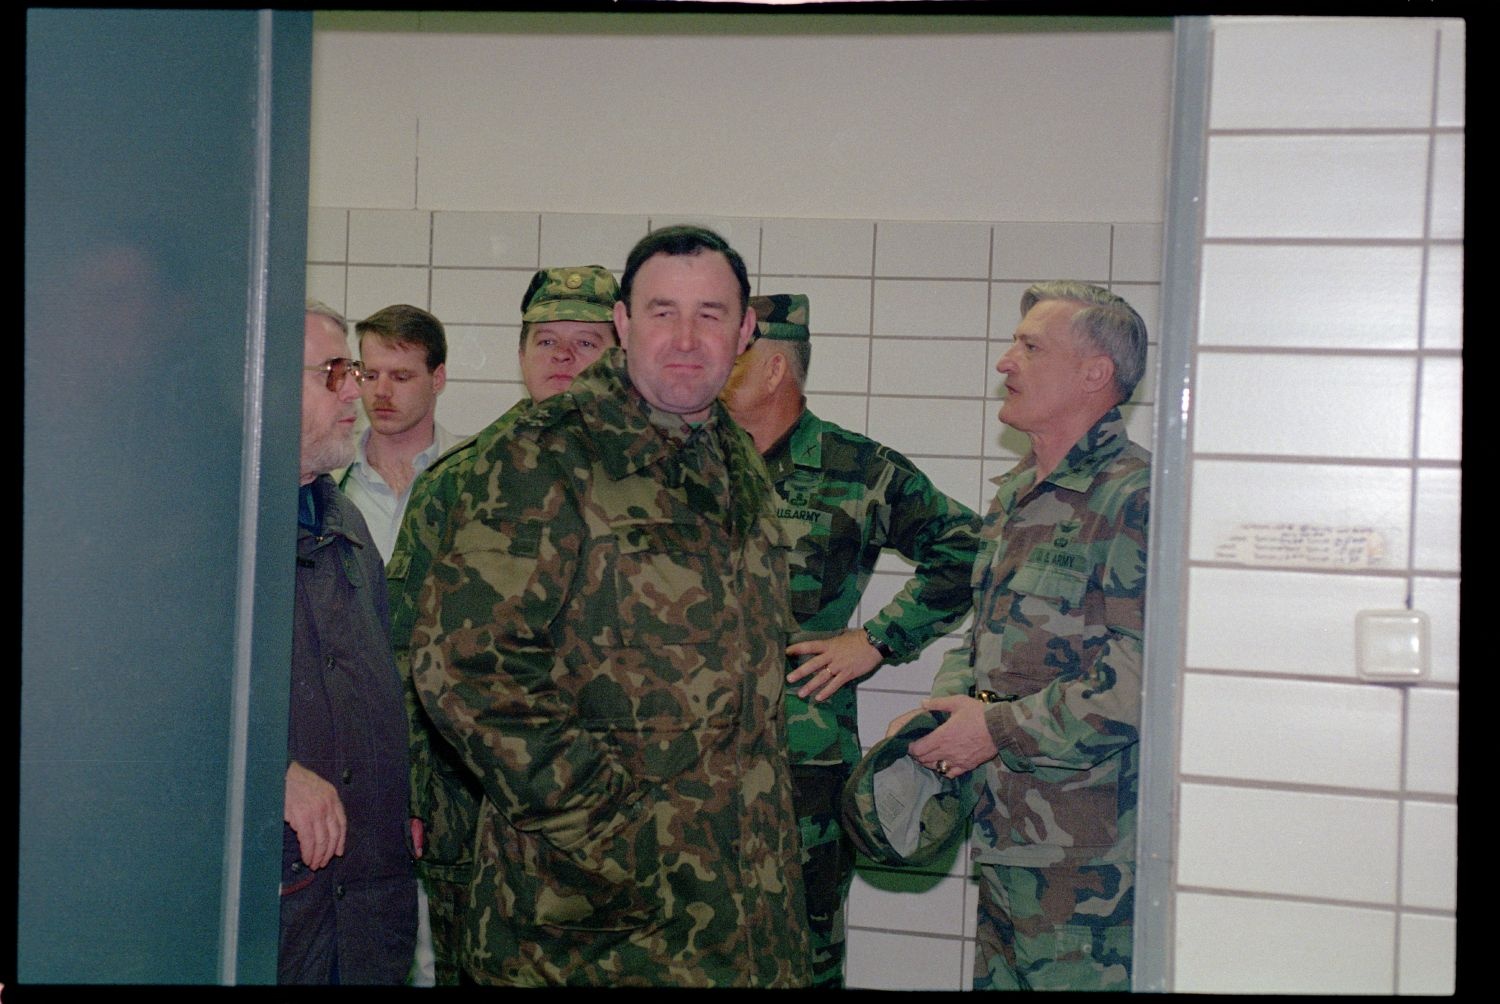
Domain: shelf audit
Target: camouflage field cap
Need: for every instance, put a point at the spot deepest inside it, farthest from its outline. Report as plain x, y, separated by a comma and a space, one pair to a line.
573, 293
782, 316
898, 812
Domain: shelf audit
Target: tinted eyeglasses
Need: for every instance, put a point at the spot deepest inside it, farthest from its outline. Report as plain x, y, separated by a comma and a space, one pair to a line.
336, 370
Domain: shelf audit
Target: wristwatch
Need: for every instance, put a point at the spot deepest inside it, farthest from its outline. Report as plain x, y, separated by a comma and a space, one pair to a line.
885, 650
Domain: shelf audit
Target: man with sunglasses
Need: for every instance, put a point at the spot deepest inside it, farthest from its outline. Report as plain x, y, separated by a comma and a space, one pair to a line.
348, 889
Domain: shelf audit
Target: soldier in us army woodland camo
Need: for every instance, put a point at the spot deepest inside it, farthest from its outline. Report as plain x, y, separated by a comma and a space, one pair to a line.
1045, 697
842, 499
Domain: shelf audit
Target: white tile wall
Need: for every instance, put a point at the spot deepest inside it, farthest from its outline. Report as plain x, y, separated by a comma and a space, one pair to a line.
817, 247
1443, 316
1311, 186
841, 364
589, 239
1294, 843
483, 352
1437, 516
1309, 405
1281, 73
1432, 741
1428, 954
370, 287
1451, 75
486, 240
327, 235
926, 250
390, 236
1442, 409
914, 308
1319, 817
1259, 295
1291, 731
479, 296
901, 311
932, 367
1031, 252
1448, 187
1135, 256
1429, 857
1234, 945
1439, 597
888, 961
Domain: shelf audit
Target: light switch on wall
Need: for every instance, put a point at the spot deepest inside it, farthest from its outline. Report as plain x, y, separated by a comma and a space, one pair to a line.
1391, 645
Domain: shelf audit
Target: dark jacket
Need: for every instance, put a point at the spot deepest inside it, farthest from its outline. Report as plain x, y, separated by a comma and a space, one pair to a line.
347, 725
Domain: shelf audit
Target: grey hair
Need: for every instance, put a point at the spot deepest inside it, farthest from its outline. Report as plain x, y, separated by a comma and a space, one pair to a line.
1109, 323
798, 356
322, 309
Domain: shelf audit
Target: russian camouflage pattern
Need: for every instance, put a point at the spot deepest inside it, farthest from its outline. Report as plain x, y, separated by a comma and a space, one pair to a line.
1055, 928
782, 316
603, 643
444, 794
572, 293
1059, 613
842, 498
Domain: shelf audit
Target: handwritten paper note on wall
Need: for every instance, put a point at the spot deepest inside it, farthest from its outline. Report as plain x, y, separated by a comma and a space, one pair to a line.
1306, 545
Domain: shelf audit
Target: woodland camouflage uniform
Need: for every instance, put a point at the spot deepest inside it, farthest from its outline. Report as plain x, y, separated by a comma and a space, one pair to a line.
1055, 651
603, 643
844, 498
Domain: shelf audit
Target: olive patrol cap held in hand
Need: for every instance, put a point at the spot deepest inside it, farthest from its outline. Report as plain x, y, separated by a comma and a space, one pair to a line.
898, 812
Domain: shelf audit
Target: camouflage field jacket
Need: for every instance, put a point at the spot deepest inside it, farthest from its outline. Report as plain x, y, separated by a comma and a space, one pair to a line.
1059, 605
444, 795
603, 645
845, 497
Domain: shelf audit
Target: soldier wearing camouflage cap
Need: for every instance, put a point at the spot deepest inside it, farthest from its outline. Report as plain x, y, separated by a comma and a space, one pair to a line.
842, 498
601, 637
567, 322
1044, 697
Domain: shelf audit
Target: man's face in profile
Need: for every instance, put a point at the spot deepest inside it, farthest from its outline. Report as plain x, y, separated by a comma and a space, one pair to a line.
327, 415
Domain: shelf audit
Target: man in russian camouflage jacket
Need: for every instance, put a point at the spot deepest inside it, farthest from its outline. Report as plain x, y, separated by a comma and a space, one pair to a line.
567, 320
603, 645
1046, 695
843, 498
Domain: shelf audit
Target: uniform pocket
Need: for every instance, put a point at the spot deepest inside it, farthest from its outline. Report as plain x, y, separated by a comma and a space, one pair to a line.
663, 581
1060, 575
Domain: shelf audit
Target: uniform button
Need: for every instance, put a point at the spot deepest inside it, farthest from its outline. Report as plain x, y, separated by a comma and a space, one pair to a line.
328, 662
348, 775
338, 891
